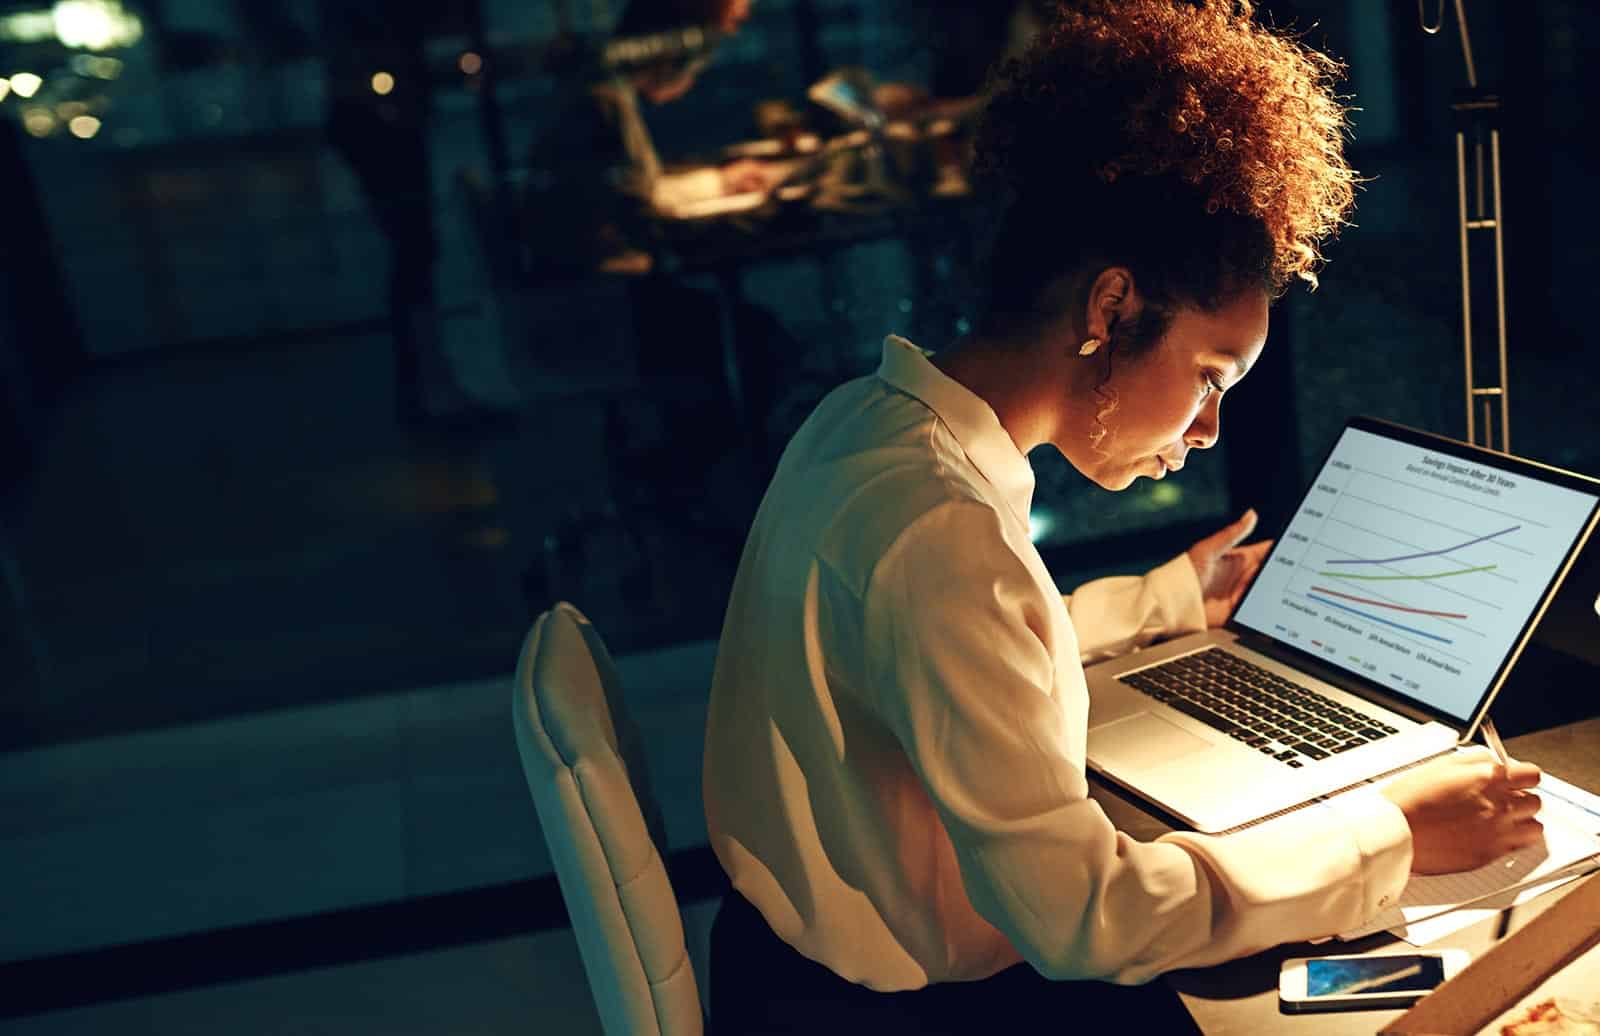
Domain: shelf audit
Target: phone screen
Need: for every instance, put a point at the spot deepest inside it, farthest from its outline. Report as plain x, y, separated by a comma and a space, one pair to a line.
846, 93
1399, 973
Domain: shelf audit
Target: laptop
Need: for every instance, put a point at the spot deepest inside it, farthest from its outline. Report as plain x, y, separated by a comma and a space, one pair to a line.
1375, 636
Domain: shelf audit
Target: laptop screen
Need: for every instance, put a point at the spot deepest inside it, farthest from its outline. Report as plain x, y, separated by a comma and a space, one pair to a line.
1418, 564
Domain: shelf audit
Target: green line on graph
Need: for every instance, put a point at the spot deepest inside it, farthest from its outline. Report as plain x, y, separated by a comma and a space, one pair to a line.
1436, 575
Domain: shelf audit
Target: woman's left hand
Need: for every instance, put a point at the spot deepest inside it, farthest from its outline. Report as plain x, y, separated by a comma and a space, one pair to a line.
1225, 568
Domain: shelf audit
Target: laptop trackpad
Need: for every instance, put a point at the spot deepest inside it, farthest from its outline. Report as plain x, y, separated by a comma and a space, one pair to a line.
1143, 742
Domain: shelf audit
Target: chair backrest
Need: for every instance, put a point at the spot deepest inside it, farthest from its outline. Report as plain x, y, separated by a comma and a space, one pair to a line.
580, 753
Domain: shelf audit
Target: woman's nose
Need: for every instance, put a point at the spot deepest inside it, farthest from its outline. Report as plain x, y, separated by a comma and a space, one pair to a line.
1207, 426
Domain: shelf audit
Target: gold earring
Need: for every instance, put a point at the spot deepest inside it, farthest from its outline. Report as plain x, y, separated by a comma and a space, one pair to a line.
1088, 347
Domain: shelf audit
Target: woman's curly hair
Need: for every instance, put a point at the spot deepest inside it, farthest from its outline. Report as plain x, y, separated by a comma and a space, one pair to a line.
1180, 137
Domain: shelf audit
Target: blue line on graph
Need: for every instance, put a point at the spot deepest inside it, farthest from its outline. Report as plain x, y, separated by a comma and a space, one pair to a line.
1424, 554
1386, 622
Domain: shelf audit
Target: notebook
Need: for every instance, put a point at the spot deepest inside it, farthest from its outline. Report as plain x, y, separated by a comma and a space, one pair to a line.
1376, 635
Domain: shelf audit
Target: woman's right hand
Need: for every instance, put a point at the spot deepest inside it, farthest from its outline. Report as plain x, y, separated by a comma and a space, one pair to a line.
748, 174
1466, 810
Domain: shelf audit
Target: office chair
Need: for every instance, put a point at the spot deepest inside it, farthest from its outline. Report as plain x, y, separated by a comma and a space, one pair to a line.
580, 753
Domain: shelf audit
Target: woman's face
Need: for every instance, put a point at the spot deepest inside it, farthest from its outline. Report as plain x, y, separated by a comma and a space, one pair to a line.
1168, 400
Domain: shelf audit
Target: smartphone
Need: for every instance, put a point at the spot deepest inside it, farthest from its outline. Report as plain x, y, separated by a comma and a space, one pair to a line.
1342, 983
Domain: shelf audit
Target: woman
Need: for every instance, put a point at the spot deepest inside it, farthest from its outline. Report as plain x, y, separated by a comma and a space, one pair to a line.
894, 773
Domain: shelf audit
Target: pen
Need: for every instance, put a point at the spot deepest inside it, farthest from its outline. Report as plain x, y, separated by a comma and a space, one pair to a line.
1492, 736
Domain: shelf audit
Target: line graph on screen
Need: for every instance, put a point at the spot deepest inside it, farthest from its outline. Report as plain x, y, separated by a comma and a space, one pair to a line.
1423, 566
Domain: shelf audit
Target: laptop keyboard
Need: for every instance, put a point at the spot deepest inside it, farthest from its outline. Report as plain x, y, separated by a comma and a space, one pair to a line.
1282, 719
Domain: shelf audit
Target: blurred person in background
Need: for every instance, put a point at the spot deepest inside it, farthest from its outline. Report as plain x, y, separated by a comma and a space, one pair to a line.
599, 181
600, 164
378, 105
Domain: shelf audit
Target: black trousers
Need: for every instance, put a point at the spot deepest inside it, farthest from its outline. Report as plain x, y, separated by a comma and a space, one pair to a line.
761, 985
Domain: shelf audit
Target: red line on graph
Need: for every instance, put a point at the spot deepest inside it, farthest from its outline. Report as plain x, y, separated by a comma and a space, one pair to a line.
1386, 604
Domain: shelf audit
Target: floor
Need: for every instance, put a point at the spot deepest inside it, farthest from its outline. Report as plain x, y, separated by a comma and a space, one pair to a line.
305, 810
316, 809
531, 983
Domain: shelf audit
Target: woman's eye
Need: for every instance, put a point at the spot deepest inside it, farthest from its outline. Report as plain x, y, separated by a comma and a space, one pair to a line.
1209, 384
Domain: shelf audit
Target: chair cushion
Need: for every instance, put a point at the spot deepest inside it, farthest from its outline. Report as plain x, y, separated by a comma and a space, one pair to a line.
580, 753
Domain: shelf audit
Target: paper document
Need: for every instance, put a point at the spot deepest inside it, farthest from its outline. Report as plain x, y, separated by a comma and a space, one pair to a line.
1435, 928
1571, 818
1583, 806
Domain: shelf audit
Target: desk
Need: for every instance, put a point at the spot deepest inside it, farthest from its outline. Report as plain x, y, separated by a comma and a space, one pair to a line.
1241, 996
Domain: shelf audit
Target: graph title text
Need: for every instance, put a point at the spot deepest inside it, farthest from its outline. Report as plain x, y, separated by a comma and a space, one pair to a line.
1478, 480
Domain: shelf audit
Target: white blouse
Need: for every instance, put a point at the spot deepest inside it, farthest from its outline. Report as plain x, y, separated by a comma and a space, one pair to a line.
894, 768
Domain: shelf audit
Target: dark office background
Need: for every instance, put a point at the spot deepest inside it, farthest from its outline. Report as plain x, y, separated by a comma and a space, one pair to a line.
210, 511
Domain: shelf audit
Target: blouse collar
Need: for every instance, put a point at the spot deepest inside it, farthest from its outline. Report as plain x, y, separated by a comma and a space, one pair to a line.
972, 421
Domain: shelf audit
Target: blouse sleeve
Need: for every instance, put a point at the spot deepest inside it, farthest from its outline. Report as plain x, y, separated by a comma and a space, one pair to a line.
960, 668
674, 190
1115, 615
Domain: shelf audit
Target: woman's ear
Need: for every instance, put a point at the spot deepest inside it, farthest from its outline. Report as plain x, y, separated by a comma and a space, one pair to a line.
1111, 300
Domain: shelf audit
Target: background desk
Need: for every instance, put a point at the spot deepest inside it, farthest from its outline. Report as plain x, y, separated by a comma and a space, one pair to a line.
1241, 996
